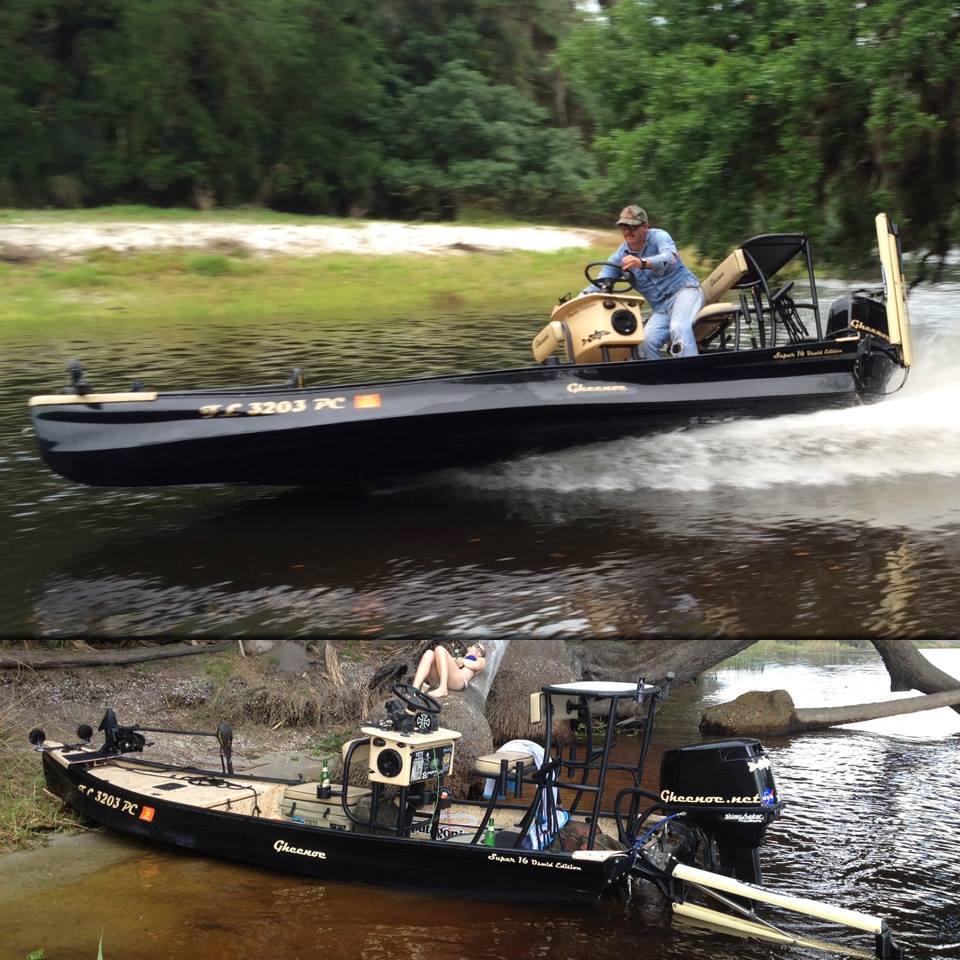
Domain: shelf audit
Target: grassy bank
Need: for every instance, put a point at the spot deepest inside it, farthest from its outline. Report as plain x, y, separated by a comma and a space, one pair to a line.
224, 286
229, 284
26, 811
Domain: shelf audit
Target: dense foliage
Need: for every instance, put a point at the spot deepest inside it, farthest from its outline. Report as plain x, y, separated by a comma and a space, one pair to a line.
723, 117
731, 117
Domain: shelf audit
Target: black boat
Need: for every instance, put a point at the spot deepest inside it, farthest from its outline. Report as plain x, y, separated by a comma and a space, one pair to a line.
762, 353
549, 830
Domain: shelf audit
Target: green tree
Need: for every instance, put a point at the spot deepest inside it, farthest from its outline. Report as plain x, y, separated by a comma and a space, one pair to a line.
511, 42
912, 64
174, 100
47, 98
744, 116
461, 139
241, 99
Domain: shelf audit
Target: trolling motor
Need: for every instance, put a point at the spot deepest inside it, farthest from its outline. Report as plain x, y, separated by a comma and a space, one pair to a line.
117, 739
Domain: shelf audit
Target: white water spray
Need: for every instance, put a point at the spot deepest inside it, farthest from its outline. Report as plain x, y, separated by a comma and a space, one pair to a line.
912, 434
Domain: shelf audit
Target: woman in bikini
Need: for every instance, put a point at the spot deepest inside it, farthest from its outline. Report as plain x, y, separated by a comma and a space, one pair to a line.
440, 667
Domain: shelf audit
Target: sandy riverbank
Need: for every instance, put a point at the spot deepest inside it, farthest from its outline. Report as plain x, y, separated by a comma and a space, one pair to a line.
365, 237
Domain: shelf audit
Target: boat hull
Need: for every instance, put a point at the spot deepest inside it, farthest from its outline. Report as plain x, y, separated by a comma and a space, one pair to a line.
332, 435
325, 854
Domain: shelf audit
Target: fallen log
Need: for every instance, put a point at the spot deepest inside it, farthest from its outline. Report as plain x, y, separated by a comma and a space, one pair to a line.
772, 713
58, 659
909, 669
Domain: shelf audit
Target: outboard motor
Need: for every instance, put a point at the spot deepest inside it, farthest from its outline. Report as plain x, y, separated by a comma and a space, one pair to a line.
726, 789
859, 313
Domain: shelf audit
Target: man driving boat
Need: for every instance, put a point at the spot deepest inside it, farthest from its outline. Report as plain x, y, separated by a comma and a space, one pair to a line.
650, 259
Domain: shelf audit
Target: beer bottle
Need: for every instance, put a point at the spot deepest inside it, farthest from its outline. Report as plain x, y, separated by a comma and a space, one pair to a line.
325, 781
490, 838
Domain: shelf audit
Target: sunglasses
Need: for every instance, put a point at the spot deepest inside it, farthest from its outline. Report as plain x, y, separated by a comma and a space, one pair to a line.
626, 228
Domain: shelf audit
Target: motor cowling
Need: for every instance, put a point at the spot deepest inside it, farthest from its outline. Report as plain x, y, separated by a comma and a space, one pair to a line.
726, 788
860, 314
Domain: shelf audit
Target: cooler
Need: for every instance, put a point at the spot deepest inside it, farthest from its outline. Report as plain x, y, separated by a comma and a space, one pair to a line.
301, 804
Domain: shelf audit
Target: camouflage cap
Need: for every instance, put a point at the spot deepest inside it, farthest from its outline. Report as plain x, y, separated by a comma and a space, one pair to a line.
632, 216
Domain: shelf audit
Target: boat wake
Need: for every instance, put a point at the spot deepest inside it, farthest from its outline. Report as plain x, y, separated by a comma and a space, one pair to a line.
913, 434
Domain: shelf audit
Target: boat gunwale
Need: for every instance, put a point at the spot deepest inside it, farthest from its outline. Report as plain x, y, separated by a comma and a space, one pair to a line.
853, 346
610, 868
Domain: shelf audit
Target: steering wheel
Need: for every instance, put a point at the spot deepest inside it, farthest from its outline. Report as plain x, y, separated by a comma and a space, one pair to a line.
415, 699
608, 284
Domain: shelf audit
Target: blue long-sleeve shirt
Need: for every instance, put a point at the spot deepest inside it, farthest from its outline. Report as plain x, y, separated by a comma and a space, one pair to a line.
667, 273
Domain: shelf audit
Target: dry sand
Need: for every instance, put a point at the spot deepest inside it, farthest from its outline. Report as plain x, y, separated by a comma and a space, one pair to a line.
375, 238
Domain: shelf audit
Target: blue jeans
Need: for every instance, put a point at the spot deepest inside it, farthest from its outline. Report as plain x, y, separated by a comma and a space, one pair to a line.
674, 322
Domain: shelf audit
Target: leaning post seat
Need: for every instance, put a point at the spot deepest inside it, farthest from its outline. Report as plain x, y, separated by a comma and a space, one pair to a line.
714, 314
563, 707
503, 766
593, 328
499, 767
730, 272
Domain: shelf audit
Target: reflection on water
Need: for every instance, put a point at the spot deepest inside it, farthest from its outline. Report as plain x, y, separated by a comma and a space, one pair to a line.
843, 522
872, 822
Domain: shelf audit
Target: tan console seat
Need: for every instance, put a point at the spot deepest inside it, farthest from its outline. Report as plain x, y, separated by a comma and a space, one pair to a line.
724, 277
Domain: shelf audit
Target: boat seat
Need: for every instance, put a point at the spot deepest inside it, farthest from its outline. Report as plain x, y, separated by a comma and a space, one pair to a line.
724, 277
505, 765
503, 769
713, 318
546, 342
715, 315
561, 707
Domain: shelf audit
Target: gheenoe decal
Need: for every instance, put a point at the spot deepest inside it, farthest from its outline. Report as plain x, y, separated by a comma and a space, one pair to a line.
860, 325
281, 846
596, 388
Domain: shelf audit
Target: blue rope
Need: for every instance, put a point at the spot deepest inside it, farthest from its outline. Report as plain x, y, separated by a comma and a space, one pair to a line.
654, 829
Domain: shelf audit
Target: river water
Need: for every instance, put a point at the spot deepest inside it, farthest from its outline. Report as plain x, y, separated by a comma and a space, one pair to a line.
872, 822
838, 523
